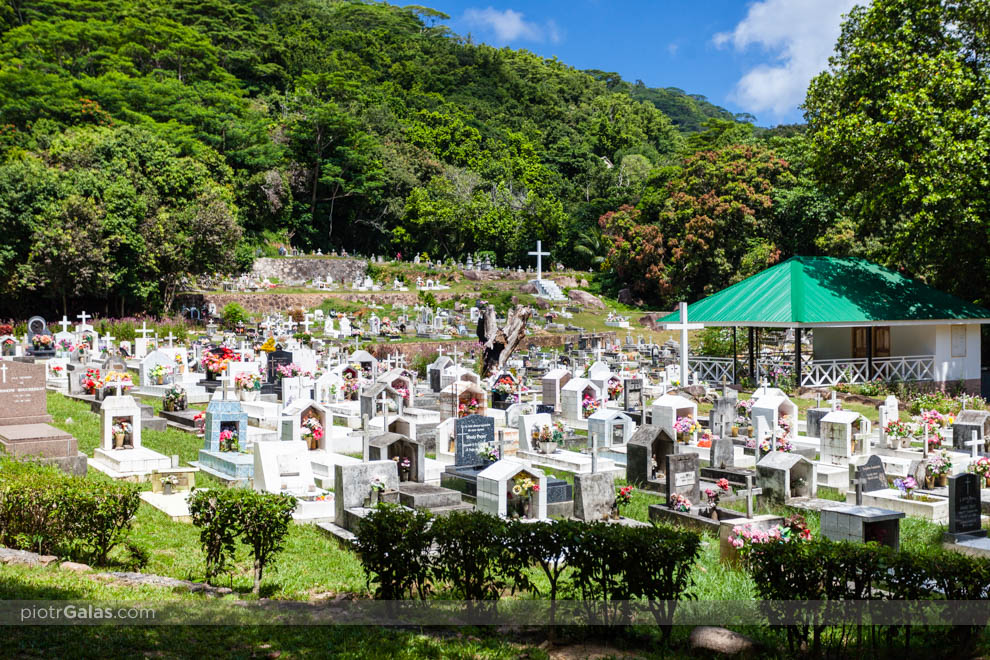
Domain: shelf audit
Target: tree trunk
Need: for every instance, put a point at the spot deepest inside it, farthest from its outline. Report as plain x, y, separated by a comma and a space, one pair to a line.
500, 343
257, 577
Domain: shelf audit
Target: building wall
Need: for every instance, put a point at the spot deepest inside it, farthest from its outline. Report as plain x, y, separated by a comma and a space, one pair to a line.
950, 368
836, 343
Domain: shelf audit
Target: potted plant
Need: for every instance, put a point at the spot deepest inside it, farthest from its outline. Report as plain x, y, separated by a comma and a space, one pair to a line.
684, 427
43, 342
713, 495
938, 469
405, 467
898, 434
623, 496
168, 482
248, 385
312, 432
121, 431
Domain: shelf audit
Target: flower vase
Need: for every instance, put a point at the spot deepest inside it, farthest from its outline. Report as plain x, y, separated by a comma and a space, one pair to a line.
713, 514
615, 512
548, 447
526, 506
118, 440
943, 480
929, 481
249, 395
168, 406
160, 380
374, 497
986, 480
749, 431
735, 432
905, 443
404, 474
167, 489
682, 438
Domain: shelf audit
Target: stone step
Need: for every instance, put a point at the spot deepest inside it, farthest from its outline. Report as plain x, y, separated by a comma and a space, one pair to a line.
416, 495
444, 510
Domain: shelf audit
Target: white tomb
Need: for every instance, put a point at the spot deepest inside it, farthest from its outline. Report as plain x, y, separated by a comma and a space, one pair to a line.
495, 485
120, 454
844, 434
668, 408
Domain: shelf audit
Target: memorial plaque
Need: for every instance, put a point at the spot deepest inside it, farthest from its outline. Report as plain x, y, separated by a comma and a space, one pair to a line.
872, 475
684, 468
471, 433
964, 506
544, 408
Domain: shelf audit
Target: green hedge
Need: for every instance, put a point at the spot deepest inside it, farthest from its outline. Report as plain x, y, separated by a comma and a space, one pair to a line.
47, 511
825, 570
479, 557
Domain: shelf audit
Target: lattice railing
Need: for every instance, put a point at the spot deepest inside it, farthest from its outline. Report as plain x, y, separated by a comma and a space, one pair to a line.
711, 369
822, 373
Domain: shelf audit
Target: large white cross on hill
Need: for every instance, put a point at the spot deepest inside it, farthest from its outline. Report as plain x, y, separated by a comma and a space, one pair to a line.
683, 326
539, 254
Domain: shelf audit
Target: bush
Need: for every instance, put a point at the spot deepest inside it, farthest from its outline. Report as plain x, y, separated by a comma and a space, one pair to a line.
824, 570
393, 544
259, 520
421, 362
232, 314
47, 511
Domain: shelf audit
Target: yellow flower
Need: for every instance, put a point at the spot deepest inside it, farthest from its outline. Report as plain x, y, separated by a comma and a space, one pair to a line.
516, 490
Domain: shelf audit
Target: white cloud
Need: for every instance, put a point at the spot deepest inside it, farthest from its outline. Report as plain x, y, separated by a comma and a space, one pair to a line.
799, 35
509, 25
672, 48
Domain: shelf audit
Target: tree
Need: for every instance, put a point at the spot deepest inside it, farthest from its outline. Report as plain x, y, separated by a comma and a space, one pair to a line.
899, 127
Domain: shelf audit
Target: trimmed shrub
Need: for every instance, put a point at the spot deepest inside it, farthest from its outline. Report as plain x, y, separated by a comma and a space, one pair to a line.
393, 544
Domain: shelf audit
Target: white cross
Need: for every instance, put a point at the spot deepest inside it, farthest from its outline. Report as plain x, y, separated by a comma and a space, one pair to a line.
170, 338
109, 340
750, 492
3, 370
974, 443
145, 330
683, 326
307, 321
65, 323
539, 254
82, 317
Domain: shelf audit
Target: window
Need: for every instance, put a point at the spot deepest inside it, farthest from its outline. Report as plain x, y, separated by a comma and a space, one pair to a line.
881, 342
958, 341
859, 342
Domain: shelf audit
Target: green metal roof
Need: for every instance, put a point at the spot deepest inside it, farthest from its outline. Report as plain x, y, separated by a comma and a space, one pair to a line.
828, 291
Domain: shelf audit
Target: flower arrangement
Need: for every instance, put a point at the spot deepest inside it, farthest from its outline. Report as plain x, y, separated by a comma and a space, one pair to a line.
312, 431
895, 428
981, 466
680, 503
589, 406
56, 370
403, 462
199, 419
6, 329
623, 496
934, 423
745, 406
465, 408
783, 426
614, 388
403, 392
247, 381
377, 484
65, 345
43, 342
706, 439
289, 370
745, 539
228, 440
170, 479
91, 381
122, 427
215, 361
906, 486
686, 425
504, 386
114, 377
350, 387
488, 453
524, 486
174, 398
268, 346
714, 494
159, 372
939, 464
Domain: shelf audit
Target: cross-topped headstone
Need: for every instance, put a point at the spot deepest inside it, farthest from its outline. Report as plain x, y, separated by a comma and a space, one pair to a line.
82, 317
65, 323
973, 444
857, 483
539, 254
170, 338
750, 493
144, 330
683, 326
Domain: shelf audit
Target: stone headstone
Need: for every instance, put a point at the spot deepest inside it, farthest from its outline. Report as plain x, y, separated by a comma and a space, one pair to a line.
872, 475
471, 433
683, 477
813, 420
965, 423
723, 415
722, 453
633, 394
594, 495
22, 394
964, 507
543, 408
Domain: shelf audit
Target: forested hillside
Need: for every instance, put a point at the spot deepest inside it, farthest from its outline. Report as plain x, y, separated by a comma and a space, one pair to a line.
148, 139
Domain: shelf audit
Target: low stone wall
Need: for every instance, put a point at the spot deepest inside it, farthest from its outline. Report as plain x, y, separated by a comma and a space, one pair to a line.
308, 268
543, 340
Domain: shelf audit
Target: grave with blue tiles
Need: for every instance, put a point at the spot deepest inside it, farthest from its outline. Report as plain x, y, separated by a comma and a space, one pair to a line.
225, 456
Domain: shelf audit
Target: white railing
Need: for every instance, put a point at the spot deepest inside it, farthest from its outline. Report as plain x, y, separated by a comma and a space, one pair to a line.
821, 373
711, 369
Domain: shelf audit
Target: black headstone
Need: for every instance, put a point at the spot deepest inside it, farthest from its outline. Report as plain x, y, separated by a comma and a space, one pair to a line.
872, 475
434, 380
471, 433
964, 506
544, 408
275, 359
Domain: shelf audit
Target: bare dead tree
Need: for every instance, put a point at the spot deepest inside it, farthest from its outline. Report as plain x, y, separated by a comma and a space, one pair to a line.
500, 343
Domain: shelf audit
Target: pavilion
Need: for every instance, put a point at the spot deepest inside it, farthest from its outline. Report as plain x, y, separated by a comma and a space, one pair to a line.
866, 323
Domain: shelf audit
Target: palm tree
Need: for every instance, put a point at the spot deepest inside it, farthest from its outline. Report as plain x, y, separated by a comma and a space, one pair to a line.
591, 245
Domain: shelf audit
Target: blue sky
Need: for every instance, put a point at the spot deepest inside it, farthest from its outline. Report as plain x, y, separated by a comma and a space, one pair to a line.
754, 56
